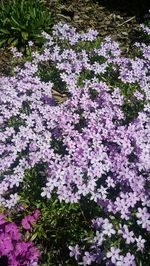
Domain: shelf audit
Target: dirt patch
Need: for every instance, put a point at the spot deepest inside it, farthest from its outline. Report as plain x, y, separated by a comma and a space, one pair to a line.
111, 17
5, 60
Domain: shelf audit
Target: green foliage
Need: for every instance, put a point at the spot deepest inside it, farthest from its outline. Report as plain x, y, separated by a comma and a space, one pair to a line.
146, 24
22, 21
87, 45
60, 224
47, 71
131, 105
147, 36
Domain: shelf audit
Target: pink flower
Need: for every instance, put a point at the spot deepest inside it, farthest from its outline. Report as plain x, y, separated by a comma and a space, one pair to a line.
29, 219
13, 231
36, 214
6, 245
2, 220
25, 223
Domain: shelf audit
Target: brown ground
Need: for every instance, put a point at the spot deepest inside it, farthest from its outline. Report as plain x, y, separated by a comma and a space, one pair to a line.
118, 18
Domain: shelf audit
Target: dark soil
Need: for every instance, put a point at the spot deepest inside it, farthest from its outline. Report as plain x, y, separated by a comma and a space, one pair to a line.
5, 60
118, 18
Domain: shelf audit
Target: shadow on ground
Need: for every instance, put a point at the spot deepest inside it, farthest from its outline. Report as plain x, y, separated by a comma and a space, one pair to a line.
136, 8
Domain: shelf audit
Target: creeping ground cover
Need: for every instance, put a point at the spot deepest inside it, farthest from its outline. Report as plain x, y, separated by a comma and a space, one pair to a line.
74, 172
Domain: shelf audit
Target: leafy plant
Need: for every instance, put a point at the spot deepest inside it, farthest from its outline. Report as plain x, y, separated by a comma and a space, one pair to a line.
59, 224
23, 21
145, 34
82, 165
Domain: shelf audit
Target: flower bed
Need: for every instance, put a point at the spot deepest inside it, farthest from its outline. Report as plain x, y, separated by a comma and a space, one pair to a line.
94, 146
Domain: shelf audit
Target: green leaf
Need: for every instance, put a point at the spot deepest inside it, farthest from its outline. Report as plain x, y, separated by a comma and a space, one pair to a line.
34, 236
5, 31
15, 42
15, 21
25, 35
10, 40
14, 28
22, 6
23, 20
2, 42
6, 20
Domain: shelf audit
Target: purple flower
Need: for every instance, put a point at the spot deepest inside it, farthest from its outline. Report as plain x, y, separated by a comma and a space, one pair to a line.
2, 219
13, 231
29, 219
140, 243
127, 235
108, 228
113, 254
129, 259
143, 218
21, 248
36, 214
17, 251
75, 251
25, 223
6, 245
86, 142
88, 258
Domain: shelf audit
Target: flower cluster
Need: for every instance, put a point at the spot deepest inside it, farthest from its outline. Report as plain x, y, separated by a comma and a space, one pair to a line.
29, 219
145, 29
104, 231
14, 248
86, 144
